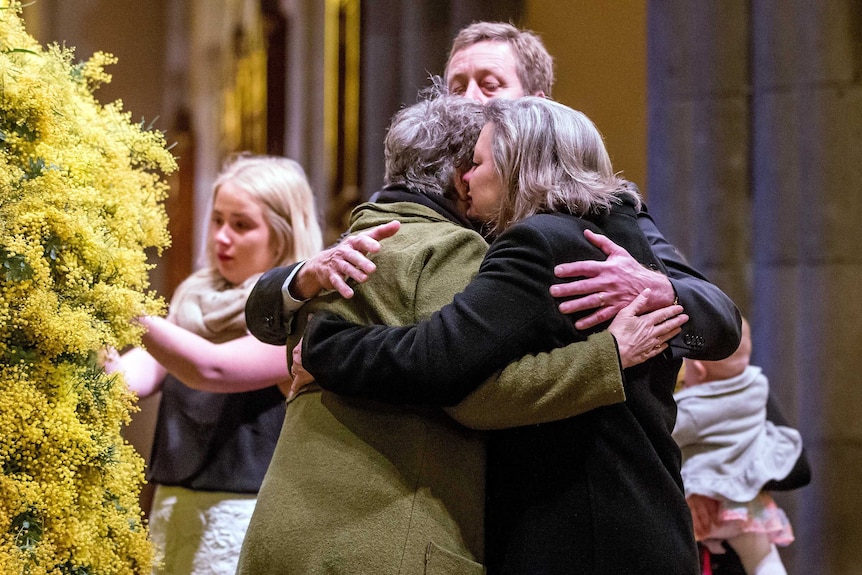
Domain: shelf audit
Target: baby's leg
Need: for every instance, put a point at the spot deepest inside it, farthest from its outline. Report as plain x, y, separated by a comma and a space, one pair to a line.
758, 555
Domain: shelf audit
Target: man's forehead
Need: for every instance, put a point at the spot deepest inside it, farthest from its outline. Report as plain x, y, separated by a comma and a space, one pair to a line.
487, 55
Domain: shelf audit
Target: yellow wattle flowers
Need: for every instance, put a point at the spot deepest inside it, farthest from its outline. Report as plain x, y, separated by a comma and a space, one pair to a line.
81, 199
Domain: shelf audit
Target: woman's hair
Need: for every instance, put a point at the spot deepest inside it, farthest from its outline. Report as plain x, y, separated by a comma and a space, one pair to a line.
549, 158
429, 141
279, 185
535, 65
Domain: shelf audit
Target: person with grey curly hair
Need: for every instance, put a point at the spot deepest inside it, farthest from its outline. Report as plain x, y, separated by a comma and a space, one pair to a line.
366, 487
413, 154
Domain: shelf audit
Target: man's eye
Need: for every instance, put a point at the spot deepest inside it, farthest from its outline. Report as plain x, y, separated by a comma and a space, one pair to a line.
492, 87
456, 89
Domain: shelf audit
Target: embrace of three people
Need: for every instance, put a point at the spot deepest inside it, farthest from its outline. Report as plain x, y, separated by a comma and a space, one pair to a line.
453, 409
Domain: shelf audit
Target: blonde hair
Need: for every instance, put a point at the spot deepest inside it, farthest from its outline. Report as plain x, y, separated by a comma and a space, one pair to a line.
550, 158
280, 186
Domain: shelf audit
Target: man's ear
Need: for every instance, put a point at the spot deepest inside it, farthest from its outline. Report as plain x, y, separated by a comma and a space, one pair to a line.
540, 94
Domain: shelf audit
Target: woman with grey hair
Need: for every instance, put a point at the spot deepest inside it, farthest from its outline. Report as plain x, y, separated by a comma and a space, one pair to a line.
597, 493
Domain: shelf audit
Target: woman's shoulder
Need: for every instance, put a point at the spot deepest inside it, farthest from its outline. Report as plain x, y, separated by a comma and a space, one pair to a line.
555, 220
552, 227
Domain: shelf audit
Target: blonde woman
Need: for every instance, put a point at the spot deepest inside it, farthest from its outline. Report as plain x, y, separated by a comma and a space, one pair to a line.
221, 408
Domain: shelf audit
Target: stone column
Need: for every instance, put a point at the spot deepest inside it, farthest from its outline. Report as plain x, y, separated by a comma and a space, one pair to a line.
807, 302
698, 135
755, 165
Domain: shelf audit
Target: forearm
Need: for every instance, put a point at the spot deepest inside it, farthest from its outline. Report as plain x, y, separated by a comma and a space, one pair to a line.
714, 328
242, 364
141, 372
504, 313
547, 387
398, 365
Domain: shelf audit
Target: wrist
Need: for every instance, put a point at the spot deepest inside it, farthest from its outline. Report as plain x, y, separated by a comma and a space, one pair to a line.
663, 292
304, 285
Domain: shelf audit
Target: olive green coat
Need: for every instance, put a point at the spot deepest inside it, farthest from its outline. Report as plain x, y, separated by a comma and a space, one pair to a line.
361, 487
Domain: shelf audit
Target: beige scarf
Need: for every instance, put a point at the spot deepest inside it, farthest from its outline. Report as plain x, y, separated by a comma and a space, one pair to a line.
209, 306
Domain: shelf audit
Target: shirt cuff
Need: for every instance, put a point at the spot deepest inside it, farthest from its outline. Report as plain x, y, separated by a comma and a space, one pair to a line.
291, 304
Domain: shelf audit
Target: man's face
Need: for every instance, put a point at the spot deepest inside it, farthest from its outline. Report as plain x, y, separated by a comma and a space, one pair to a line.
483, 71
485, 188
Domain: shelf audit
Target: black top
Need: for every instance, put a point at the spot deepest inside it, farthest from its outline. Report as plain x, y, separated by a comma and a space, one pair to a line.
215, 441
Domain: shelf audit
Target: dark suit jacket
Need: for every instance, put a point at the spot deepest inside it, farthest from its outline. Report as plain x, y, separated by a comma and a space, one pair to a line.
598, 493
703, 301
264, 310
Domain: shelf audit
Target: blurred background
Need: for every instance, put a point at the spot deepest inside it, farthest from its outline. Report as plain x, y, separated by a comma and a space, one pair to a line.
741, 121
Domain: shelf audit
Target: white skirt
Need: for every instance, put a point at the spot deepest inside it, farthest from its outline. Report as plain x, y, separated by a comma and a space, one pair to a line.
198, 532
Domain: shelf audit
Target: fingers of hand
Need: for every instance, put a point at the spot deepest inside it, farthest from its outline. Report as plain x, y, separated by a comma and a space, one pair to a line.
667, 317
385, 230
602, 315
574, 306
674, 323
354, 259
607, 245
639, 303
600, 241
584, 269
346, 265
339, 285
364, 243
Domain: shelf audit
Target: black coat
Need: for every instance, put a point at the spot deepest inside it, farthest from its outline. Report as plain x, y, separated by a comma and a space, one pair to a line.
598, 493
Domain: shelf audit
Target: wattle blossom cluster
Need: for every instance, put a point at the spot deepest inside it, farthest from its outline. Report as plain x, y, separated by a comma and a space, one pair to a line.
81, 200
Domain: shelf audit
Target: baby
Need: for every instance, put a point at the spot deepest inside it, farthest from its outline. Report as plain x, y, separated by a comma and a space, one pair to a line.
730, 451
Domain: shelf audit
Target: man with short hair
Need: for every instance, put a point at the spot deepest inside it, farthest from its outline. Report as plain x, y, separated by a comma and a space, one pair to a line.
497, 60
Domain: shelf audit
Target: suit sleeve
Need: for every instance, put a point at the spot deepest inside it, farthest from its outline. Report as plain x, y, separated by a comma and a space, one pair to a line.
265, 313
503, 314
713, 330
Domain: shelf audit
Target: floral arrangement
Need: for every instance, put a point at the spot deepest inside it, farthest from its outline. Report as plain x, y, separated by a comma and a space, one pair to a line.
81, 199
